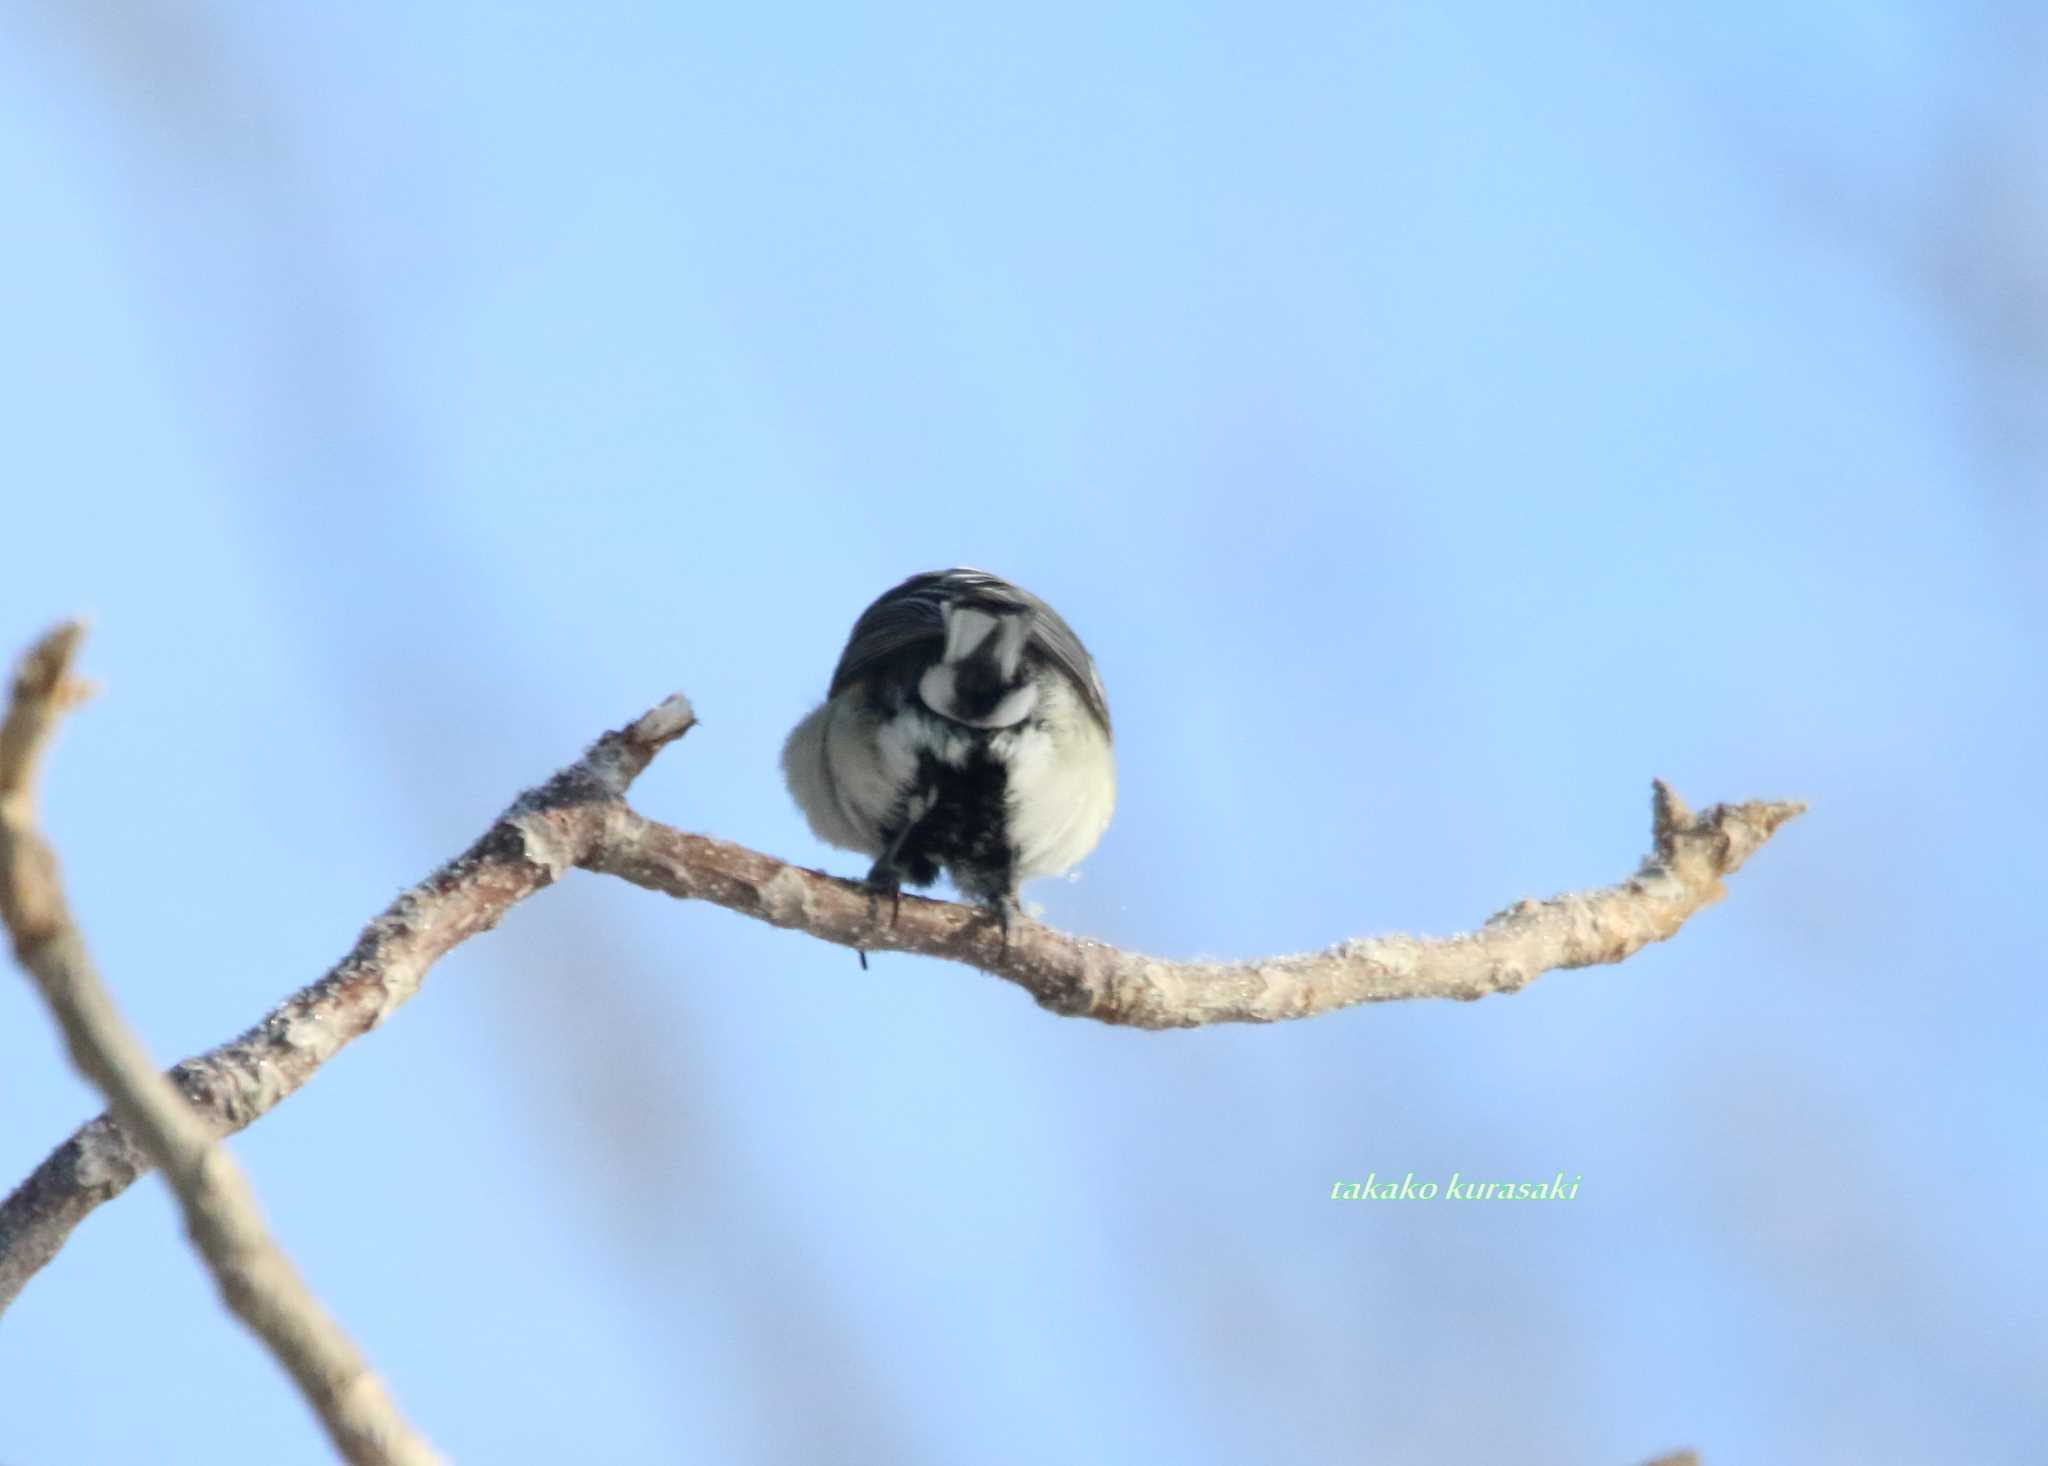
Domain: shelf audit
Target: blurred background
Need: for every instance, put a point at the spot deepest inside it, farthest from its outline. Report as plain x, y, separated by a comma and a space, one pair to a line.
1437, 423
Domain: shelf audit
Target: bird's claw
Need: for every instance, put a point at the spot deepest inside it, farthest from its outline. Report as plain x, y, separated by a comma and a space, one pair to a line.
879, 883
883, 879
1004, 911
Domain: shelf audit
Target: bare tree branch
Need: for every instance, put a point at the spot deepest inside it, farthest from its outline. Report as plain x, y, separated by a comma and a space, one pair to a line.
580, 818
1074, 976
256, 1279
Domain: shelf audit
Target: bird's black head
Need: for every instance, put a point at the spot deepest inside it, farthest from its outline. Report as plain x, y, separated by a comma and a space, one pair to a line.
982, 677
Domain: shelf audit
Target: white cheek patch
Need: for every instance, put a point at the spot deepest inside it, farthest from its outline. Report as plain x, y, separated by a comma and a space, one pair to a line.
966, 630
971, 631
1015, 707
1009, 647
938, 693
935, 689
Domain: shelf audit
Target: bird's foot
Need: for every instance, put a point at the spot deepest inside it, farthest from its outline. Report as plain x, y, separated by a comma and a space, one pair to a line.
884, 880
1003, 910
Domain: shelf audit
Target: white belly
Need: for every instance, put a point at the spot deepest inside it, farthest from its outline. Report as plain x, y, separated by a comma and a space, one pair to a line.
850, 771
1062, 784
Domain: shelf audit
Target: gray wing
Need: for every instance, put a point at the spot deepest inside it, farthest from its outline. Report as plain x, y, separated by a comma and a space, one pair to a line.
912, 615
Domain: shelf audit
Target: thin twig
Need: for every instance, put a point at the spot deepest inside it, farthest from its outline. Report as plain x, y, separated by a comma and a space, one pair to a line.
255, 1277
580, 818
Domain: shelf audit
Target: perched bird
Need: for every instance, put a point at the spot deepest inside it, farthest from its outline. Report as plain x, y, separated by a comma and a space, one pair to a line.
965, 729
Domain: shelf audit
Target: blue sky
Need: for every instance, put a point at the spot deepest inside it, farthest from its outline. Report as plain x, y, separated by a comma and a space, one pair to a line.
1438, 423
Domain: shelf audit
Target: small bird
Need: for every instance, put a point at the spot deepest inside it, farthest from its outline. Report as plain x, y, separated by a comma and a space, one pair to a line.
965, 729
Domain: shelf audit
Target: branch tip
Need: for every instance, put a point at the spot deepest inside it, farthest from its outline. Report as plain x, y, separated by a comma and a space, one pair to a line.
1669, 817
664, 723
42, 690
1769, 814
44, 666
